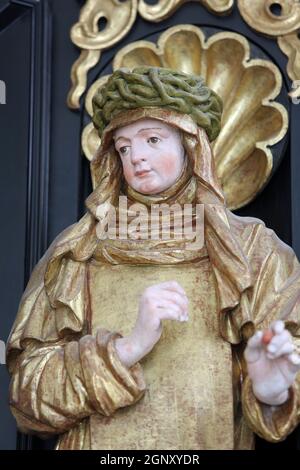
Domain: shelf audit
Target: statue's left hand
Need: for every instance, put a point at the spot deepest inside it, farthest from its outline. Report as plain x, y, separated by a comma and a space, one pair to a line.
272, 367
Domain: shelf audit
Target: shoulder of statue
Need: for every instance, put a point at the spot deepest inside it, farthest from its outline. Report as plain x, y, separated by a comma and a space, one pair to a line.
258, 241
245, 227
57, 284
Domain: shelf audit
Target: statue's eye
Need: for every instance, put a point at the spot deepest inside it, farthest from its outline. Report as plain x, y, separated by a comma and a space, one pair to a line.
123, 150
153, 140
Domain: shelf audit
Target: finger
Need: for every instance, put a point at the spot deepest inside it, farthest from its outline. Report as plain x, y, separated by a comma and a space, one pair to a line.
278, 341
254, 347
169, 306
179, 299
284, 349
294, 361
172, 314
277, 326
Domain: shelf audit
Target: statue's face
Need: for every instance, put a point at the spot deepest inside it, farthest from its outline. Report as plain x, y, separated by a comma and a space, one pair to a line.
152, 155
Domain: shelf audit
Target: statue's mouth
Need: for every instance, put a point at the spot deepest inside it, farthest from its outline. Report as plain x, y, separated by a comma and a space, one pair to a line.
142, 173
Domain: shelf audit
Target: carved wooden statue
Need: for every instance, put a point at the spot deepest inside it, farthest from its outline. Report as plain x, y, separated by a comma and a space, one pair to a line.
139, 342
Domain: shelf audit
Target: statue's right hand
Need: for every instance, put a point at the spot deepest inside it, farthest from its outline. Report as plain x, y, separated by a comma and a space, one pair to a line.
164, 301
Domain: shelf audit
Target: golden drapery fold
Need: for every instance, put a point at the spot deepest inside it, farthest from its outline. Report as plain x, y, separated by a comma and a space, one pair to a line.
59, 385
49, 350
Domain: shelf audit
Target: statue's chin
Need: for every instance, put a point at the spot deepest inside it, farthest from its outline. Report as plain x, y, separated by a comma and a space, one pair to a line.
147, 192
148, 187
150, 191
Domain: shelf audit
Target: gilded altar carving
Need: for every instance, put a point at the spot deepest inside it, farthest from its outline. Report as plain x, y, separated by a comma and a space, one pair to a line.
120, 17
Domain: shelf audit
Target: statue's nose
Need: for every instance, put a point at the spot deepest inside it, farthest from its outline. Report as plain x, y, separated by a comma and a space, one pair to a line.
137, 155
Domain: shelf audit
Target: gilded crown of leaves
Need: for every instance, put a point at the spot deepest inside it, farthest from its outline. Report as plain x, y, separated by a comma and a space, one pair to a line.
158, 87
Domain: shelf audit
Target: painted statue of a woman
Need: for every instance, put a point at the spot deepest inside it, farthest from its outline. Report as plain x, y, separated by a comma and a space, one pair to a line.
138, 341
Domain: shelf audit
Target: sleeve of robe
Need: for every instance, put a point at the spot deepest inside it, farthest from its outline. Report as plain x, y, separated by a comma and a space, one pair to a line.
59, 373
276, 295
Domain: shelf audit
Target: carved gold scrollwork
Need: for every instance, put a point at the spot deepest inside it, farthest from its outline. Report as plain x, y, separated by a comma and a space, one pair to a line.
119, 16
290, 45
165, 8
260, 16
79, 71
275, 18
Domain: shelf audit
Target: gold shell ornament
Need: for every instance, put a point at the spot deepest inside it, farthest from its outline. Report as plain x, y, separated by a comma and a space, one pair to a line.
252, 120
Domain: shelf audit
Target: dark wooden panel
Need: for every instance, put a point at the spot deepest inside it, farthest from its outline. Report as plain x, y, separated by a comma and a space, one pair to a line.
14, 129
24, 125
65, 149
295, 178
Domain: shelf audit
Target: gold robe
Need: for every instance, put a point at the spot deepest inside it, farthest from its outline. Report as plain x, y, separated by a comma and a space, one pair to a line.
68, 380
